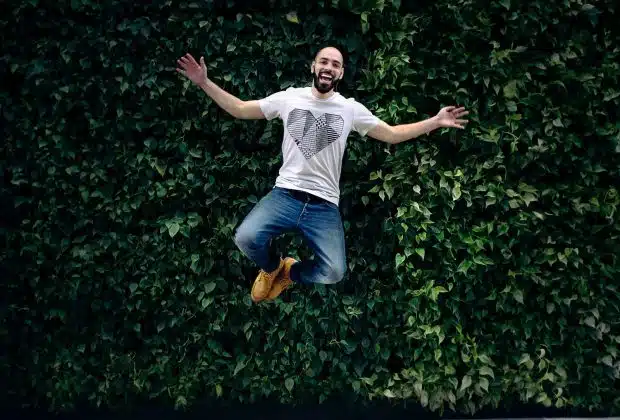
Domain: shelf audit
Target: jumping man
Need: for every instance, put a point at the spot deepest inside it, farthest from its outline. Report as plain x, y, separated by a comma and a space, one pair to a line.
305, 198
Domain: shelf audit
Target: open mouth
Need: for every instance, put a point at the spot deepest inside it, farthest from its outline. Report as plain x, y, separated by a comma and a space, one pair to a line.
325, 78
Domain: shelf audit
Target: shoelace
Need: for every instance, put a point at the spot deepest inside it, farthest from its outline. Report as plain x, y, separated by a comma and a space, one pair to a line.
265, 275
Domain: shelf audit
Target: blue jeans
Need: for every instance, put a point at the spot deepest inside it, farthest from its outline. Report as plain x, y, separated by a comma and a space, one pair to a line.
320, 224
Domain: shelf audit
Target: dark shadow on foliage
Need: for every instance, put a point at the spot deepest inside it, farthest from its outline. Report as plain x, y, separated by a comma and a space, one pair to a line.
270, 409
247, 141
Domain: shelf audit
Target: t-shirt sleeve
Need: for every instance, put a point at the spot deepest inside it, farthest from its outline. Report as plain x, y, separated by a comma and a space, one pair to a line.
363, 119
272, 105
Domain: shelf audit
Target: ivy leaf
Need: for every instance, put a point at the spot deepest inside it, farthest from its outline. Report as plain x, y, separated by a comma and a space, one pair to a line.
466, 383
464, 266
436, 291
518, 295
483, 260
484, 384
209, 287
528, 198
486, 360
420, 252
289, 383
456, 192
161, 169
364, 20
240, 366
292, 17
524, 359
510, 89
531, 393
173, 229
487, 371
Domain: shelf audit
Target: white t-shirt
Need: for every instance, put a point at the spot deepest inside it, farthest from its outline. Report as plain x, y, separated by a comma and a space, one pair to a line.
315, 137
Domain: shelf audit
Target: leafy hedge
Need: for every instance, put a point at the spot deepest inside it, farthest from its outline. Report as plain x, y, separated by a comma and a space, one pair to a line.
483, 263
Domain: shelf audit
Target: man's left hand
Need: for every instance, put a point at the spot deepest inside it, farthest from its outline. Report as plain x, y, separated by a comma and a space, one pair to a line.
450, 117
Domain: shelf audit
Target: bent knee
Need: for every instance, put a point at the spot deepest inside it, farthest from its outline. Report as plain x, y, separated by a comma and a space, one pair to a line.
245, 239
333, 274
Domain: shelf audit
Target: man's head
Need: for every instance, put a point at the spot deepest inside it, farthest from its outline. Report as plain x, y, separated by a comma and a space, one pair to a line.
327, 69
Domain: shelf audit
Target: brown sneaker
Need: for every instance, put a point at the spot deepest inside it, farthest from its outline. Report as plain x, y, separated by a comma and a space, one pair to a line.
263, 283
283, 280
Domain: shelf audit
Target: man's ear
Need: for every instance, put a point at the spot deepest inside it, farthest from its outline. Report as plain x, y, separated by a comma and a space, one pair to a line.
312, 68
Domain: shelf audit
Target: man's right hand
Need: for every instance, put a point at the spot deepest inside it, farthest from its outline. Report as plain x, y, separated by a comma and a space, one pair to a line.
195, 72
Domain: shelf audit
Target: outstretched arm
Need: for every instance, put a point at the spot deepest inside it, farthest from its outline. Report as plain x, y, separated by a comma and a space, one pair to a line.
447, 117
197, 73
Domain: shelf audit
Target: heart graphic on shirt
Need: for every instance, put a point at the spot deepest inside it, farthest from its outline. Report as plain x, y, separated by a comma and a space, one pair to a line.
313, 134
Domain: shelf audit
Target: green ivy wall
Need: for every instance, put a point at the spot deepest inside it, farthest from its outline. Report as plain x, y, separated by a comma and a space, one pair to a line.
483, 264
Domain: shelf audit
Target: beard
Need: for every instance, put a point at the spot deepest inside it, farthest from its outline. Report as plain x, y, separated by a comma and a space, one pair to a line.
324, 87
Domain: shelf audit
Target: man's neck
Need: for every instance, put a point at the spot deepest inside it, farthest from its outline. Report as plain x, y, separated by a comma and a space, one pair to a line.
320, 95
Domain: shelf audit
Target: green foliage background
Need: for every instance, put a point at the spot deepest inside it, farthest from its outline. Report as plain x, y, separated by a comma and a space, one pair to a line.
483, 263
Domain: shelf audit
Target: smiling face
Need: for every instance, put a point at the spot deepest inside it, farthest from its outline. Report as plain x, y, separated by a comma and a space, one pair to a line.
327, 69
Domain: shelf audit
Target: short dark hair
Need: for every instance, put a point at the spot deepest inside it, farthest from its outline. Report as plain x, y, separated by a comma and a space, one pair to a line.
336, 46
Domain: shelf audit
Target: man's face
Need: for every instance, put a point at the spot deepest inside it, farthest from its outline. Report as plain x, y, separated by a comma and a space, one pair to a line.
327, 69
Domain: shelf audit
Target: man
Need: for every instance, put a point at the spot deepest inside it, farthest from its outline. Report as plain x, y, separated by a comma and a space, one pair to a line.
305, 198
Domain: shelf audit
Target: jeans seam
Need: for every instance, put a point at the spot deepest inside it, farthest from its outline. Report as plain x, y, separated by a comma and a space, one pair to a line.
301, 214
